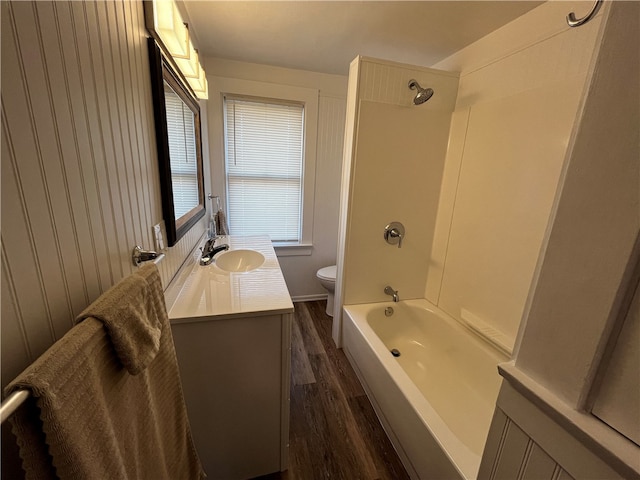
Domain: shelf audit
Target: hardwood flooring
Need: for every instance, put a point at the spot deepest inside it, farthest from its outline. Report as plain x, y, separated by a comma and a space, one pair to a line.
334, 431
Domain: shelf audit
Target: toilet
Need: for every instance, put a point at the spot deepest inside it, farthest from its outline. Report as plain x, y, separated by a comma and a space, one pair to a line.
327, 277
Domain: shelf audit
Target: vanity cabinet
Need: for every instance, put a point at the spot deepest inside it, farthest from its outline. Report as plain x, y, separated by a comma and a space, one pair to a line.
232, 333
235, 376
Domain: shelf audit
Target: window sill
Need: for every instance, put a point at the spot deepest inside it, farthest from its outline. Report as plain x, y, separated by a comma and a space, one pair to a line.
286, 250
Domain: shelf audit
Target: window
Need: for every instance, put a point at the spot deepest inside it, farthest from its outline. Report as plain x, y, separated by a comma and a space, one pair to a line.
301, 99
264, 158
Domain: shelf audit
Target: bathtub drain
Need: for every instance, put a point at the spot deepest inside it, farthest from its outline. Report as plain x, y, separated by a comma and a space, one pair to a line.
395, 352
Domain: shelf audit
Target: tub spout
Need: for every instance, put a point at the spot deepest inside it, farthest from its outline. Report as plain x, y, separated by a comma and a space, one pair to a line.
394, 293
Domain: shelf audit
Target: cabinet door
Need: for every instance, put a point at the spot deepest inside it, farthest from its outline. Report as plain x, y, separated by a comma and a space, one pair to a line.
232, 378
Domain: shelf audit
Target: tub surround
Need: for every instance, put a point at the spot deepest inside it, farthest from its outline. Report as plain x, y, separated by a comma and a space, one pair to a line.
232, 332
401, 146
505, 162
390, 141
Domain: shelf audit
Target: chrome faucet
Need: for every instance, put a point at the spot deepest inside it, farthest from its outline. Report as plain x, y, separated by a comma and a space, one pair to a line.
210, 250
394, 293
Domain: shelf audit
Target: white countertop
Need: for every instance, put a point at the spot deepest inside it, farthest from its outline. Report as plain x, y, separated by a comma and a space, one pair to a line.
202, 292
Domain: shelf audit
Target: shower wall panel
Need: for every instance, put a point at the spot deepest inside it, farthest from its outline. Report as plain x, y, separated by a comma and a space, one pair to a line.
397, 178
520, 93
505, 192
396, 171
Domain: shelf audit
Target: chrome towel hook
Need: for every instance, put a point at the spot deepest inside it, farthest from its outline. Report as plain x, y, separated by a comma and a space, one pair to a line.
572, 21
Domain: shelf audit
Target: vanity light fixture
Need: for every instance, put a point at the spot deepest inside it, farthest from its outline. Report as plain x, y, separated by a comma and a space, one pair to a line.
200, 85
164, 22
189, 66
194, 73
168, 24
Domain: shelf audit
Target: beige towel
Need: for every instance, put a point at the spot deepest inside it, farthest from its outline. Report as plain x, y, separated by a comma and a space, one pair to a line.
132, 314
90, 418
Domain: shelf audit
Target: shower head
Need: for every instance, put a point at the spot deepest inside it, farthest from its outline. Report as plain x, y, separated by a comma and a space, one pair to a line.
423, 94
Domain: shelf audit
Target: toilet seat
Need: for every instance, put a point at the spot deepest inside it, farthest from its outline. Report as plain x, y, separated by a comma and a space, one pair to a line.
327, 273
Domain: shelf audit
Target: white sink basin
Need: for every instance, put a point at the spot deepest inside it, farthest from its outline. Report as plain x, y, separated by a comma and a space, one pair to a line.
239, 260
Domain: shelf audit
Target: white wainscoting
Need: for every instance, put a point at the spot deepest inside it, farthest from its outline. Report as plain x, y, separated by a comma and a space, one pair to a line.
524, 442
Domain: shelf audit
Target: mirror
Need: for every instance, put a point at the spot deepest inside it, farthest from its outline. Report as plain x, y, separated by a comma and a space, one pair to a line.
178, 138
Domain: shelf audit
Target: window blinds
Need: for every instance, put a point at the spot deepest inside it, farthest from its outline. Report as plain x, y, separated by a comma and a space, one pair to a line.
182, 153
264, 149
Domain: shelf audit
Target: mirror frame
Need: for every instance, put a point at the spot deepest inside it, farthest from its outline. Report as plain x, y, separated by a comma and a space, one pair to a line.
161, 71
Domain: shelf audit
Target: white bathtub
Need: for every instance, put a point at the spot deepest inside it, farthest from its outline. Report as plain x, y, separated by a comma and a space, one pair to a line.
436, 399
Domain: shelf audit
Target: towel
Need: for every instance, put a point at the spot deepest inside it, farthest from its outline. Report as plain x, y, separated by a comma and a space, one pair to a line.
132, 314
221, 223
96, 410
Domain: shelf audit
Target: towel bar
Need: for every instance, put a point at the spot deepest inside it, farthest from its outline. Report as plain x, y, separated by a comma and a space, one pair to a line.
12, 403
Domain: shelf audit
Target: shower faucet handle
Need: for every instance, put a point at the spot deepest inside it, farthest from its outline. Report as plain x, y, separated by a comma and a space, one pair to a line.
394, 233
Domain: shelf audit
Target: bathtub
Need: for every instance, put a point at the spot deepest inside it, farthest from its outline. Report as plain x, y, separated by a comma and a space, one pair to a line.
437, 398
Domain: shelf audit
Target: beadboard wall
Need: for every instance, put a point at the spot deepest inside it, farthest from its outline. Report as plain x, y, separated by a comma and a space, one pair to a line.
526, 443
80, 184
532, 461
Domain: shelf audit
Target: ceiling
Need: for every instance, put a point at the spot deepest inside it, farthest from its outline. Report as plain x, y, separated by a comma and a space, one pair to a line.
324, 36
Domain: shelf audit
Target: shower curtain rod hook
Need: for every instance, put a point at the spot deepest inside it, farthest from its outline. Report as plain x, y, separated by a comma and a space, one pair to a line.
572, 21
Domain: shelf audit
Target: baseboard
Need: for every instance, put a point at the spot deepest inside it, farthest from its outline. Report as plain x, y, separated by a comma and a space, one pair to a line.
309, 298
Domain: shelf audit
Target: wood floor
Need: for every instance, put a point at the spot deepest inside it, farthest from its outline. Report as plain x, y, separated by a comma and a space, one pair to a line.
334, 432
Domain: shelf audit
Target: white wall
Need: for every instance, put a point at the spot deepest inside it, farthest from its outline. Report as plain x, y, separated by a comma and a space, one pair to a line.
520, 90
80, 182
299, 270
